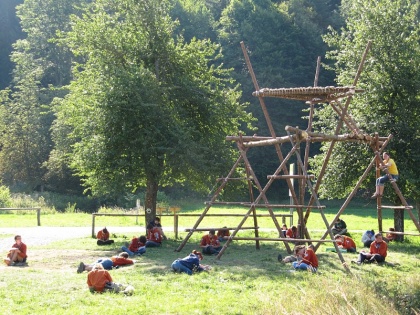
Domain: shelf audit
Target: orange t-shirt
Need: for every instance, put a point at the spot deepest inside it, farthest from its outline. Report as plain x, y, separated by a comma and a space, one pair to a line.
121, 261
22, 249
98, 278
102, 236
347, 243
379, 248
310, 258
154, 235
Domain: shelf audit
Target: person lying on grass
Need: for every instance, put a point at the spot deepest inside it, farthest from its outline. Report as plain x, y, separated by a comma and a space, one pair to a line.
17, 254
345, 242
99, 280
307, 259
377, 253
108, 263
190, 264
137, 246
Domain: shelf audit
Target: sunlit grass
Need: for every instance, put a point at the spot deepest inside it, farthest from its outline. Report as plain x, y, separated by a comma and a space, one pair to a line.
244, 281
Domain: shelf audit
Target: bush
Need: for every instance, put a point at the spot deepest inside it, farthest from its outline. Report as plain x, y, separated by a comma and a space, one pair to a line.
5, 197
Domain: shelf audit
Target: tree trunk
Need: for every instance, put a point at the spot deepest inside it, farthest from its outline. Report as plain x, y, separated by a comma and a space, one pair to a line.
151, 197
399, 223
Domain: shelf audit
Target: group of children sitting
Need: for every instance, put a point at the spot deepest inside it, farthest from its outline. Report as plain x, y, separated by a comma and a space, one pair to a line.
303, 257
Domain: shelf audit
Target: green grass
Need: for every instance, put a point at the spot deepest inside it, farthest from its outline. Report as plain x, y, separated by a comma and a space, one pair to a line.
243, 281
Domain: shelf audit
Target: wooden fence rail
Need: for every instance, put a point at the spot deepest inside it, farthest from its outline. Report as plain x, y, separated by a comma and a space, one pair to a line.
176, 217
38, 212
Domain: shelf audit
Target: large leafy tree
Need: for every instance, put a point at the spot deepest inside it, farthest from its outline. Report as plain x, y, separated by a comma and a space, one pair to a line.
391, 79
145, 109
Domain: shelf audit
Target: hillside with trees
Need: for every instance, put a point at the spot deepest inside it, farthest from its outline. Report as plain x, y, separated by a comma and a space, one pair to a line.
112, 98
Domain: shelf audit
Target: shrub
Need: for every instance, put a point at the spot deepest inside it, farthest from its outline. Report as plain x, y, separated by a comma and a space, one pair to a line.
5, 196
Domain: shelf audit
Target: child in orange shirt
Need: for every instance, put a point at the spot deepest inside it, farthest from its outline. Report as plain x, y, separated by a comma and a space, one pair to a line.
108, 263
377, 253
307, 259
99, 280
346, 243
17, 254
210, 244
137, 246
223, 234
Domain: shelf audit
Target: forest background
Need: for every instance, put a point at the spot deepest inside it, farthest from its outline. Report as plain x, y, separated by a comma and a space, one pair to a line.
106, 103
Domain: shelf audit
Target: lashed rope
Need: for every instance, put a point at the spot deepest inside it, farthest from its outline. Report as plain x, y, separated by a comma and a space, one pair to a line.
314, 94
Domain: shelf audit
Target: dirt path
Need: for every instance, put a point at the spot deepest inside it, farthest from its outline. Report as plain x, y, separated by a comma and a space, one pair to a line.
43, 235
53, 258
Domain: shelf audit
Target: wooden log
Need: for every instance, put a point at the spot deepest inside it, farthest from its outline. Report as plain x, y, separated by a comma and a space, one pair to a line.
400, 233
297, 240
265, 215
264, 205
290, 176
234, 178
397, 207
224, 229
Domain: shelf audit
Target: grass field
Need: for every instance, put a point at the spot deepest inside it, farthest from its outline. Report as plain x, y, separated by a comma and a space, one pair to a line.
243, 281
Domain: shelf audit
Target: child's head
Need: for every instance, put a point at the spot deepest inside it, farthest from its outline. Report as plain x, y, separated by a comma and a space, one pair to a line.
124, 255
198, 254
98, 266
212, 232
294, 228
338, 237
299, 250
143, 239
284, 227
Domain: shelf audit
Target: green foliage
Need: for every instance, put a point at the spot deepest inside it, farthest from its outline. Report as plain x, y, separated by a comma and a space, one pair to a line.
155, 111
9, 22
391, 77
40, 67
5, 197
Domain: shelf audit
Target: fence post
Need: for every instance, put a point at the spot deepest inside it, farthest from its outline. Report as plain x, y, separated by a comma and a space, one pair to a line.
93, 225
38, 216
176, 225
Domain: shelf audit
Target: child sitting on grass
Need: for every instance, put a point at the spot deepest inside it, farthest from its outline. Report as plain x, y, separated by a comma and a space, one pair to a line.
137, 246
346, 243
17, 254
307, 259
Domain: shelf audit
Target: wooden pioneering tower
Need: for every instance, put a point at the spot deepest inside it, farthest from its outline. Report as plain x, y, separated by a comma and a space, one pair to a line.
312, 96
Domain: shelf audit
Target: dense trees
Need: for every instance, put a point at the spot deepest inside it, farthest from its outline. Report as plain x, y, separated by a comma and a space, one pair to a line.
41, 69
11, 31
391, 79
142, 105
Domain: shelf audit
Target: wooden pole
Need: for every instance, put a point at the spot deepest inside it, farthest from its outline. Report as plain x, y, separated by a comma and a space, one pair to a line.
377, 175
337, 130
93, 225
38, 216
215, 195
268, 120
176, 225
